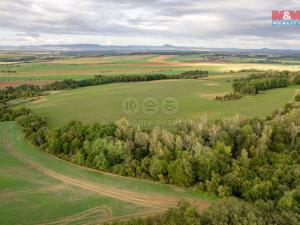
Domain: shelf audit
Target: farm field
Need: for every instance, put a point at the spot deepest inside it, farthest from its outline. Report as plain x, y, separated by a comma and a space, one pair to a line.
195, 99
36, 188
87, 67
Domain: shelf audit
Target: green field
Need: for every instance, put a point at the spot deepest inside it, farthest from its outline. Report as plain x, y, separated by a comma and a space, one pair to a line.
86, 67
195, 98
36, 188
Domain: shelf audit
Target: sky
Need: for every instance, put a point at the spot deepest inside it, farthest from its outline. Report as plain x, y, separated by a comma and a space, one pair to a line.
195, 23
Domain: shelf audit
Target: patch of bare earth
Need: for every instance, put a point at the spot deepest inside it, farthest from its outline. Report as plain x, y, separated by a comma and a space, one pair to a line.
211, 96
211, 84
161, 58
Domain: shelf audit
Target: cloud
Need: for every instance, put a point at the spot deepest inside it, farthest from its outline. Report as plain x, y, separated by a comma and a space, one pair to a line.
181, 22
32, 35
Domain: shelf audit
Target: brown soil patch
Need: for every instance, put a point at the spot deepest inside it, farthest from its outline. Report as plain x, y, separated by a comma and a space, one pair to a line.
40, 99
212, 84
85, 60
226, 76
211, 96
161, 58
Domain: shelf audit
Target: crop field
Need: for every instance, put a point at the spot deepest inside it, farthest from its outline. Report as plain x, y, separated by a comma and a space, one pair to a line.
86, 67
195, 99
36, 188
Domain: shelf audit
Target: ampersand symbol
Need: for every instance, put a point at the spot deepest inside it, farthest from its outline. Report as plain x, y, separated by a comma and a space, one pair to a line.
286, 15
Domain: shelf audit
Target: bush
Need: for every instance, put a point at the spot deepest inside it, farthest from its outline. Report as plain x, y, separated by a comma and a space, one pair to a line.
228, 97
297, 79
297, 98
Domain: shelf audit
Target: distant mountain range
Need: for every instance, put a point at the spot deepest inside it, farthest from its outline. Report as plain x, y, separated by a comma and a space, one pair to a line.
140, 48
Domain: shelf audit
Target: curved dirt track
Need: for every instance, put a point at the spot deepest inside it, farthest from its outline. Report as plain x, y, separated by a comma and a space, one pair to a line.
96, 213
157, 203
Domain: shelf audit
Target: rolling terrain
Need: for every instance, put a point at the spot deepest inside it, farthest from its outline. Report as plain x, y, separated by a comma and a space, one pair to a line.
46, 70
196, 99
62, 193
36, 187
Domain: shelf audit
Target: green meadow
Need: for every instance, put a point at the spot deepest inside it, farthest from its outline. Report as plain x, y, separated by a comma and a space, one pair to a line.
196, 99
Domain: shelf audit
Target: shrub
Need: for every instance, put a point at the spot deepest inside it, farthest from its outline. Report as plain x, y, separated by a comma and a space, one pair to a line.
297, 98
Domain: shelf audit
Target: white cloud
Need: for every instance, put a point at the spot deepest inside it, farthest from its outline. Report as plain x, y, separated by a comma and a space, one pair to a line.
236, 23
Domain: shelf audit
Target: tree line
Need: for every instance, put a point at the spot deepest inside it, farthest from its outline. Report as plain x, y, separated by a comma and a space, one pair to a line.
228, 211
103, 79
22, 91
25, 91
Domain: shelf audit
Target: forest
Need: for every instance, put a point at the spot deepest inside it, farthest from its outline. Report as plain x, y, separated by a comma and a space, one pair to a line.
256, 83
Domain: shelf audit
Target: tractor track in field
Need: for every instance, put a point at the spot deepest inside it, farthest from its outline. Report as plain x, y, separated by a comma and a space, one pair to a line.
96, 213
157, 203
10, 194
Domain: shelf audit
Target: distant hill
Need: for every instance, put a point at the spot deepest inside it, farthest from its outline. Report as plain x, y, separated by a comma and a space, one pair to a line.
140, 48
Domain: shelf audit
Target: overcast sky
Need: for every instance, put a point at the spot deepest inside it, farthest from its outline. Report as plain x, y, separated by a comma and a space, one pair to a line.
201, 23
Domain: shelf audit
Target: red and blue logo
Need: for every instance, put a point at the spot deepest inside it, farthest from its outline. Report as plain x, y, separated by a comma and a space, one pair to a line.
286, 17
